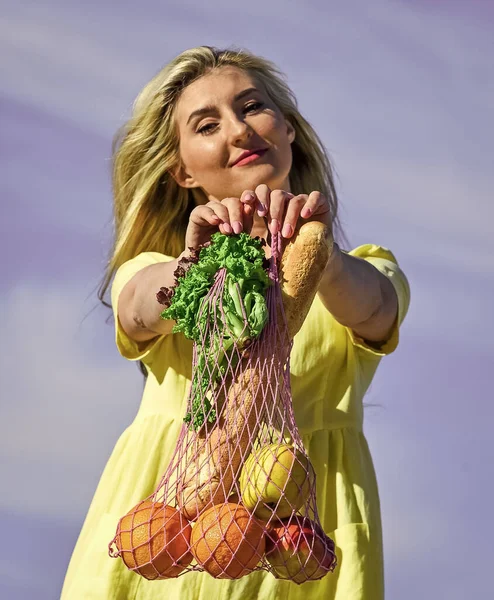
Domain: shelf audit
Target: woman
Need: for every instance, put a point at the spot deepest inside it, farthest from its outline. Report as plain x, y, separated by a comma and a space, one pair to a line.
216, 142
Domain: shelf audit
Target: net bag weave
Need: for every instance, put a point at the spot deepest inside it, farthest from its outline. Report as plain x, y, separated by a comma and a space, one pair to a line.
239, 494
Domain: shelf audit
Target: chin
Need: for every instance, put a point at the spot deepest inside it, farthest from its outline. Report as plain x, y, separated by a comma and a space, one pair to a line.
273, 179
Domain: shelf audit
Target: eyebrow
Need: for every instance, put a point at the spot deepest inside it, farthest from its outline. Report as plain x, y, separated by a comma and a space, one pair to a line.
211, 108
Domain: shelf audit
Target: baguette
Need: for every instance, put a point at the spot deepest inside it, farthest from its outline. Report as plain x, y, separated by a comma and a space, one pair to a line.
302, 265
217, 456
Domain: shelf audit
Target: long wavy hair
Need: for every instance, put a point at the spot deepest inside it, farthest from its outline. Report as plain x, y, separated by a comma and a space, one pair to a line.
150, 209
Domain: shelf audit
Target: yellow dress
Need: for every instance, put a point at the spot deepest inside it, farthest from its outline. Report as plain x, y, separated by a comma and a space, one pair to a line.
331, 370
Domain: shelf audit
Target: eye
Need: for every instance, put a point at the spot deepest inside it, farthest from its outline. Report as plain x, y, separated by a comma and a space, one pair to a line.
207, 129
253, 106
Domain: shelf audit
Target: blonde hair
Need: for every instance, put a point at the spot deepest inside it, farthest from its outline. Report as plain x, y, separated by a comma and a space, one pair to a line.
151, 210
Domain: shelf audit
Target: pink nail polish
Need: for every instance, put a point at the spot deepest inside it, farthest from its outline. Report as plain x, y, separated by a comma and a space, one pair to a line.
287, 230
237, 226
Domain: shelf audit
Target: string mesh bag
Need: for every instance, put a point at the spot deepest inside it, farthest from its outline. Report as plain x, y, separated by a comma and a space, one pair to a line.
239, 494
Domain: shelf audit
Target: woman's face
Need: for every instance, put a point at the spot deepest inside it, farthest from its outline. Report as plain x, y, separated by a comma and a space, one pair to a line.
221, 116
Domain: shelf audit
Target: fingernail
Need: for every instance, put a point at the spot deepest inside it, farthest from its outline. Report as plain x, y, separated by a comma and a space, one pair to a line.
227, 228
262, 208
275, 226
287, 230
237, 226
248, 198
306, 212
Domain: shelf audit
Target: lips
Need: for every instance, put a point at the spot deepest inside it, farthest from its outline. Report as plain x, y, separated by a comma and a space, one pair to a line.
249, 156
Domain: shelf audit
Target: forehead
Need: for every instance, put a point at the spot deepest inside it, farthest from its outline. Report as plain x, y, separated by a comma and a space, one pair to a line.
220, 85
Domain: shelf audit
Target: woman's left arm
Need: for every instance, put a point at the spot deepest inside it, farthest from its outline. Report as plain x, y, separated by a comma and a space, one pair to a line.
353, 290
359, 296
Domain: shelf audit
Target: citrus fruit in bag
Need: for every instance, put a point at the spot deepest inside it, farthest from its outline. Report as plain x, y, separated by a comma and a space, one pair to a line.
152, 537
227, 541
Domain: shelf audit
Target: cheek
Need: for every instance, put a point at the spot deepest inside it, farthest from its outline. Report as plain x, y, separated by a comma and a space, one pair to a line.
200, 154
274, 128
270, 126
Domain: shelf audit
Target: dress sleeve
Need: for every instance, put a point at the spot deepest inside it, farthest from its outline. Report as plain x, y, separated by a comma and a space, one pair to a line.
385, 261
128, 348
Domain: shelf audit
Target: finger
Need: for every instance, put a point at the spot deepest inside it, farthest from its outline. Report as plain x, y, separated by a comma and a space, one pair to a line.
262, 193
235, 213
277, 206
222, 215
204, 216
248, 216
249, 201
294, 206
316, 204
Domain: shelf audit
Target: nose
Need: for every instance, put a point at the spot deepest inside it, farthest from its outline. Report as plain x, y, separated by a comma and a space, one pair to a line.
239, 130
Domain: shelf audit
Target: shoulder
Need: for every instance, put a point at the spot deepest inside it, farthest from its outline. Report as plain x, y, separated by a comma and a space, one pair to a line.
131, 267
121, 290
385, 261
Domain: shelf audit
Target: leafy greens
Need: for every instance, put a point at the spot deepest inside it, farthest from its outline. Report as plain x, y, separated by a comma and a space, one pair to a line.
245, 285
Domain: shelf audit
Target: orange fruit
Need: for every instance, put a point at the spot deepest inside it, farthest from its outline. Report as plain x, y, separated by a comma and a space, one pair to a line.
227, 541
154, 540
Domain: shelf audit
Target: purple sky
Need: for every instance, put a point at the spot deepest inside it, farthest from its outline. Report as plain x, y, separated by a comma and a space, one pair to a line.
401, 94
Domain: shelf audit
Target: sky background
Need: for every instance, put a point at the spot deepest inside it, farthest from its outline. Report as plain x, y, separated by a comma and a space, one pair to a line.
401, 94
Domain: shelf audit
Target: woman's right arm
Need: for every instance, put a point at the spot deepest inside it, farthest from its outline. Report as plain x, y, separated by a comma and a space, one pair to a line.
138, 309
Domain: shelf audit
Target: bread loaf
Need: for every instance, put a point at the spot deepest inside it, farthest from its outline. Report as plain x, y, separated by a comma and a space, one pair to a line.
302, 265
215, 460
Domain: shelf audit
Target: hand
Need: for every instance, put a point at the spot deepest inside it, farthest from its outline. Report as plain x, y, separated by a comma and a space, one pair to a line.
283, 209
231, 215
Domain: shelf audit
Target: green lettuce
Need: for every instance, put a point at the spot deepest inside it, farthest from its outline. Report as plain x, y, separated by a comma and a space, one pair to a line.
246, 282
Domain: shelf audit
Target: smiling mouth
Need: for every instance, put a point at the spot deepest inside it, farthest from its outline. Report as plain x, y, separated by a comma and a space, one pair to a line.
250, 158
